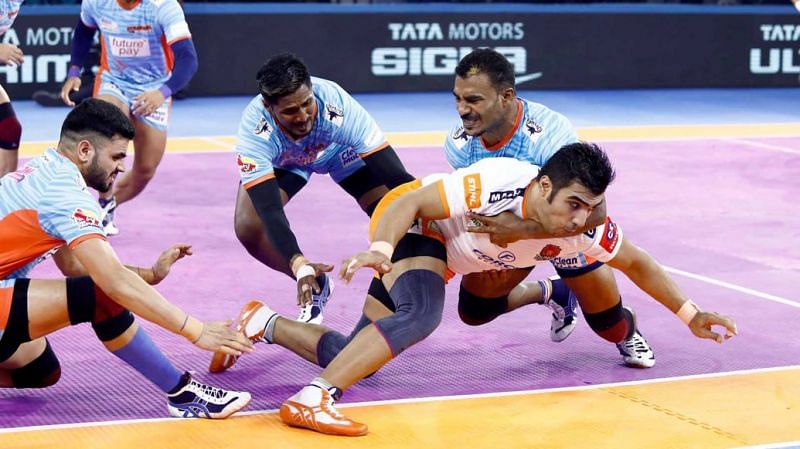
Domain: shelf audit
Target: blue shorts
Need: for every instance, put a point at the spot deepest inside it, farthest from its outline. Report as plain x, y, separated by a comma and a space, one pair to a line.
125, 91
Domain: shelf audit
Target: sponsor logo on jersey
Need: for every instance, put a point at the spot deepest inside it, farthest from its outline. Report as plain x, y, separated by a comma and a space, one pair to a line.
610, 236
140, 28
505, 195
334, 114
492, 261
507, 256
348, 157
109, 26
548, 252
129, 47
472, 190
85, 218
590, 233
246, 164
22, 173
263, 129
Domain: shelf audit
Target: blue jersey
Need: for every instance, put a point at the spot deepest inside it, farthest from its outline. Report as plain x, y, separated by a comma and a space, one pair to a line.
9, 9
135, 42
43, 206
342, 134
537, 134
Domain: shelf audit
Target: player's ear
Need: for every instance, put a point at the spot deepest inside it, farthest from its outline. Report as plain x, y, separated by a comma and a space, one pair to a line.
85, 150
545, 186
508, 94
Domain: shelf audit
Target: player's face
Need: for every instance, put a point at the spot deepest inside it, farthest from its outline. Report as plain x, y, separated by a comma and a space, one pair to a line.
296, 112
108, 161
480, 106
568, 209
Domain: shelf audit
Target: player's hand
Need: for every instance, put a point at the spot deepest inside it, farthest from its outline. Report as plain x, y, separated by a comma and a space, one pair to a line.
702, 322
165, 261
218, 336
72, 84
371, 259
503, 229
11, 54
147, 102
308, 284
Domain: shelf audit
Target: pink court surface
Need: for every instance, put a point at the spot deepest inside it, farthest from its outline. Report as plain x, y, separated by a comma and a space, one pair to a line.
715, 203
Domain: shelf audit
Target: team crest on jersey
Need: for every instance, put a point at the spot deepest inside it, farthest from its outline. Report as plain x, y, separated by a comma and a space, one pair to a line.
334, 114
263, 129
533, 129
85, 219
246, 165
548, 252
109, 26
460, 137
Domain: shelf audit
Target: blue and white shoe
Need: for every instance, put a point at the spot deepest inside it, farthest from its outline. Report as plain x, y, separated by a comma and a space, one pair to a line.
198, 400
635, 351
312, 313
107, 209
564, 305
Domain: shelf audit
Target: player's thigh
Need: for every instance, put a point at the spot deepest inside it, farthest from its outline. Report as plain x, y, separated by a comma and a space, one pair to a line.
47, 306
596, 290
149, 144
494, 284
116, 101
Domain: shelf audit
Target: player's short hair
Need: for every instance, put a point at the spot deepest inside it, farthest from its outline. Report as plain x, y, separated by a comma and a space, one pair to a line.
582, 162
485, 60
282, 75
94, 117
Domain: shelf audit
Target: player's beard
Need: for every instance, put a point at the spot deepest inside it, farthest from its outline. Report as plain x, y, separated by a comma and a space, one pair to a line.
96, 178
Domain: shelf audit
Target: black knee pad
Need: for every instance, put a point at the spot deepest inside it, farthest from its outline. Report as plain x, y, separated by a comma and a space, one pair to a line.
419, 299
42, 372
614, 324
16, 331
10, 128
475, 310
388, 167
88, 304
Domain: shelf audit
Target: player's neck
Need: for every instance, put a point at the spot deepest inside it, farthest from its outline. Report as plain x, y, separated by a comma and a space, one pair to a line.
505, 127
531, 211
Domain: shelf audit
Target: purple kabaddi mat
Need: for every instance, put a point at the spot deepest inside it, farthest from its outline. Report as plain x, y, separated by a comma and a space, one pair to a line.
718, 209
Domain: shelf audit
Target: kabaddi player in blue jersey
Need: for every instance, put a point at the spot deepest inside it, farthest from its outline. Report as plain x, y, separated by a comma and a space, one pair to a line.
297, 126
10, 128
46, 209
497, 123
147, 54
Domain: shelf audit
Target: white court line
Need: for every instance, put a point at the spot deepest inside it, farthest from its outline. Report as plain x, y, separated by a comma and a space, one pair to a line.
784, 445
767, 146
728, 285
430, 399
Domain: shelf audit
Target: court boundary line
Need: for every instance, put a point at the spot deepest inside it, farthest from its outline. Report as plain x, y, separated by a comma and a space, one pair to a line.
732, 286
779, 148
501, 394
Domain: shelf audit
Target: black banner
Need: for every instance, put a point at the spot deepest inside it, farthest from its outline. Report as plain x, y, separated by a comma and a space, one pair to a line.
391, 52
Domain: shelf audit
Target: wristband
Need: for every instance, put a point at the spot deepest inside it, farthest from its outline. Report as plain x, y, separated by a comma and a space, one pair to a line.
165, 91
382, 247
687, 311
298, 262
192, 329
74, 71
305, 270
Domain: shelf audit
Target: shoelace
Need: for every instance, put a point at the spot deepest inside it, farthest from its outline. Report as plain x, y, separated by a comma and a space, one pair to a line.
636, 343
327, 406
209, 391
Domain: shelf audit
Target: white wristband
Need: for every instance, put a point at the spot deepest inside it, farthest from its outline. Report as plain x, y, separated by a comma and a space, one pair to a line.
305, 270
382, 247
687, 311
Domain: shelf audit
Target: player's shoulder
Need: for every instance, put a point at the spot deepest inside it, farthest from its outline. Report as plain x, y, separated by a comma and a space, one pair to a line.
256, 122
157, 4
458, 137
537, 115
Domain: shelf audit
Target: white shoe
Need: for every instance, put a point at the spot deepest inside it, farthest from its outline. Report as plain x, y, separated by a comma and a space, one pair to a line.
635, 351
313, 408
198, 400
312, 312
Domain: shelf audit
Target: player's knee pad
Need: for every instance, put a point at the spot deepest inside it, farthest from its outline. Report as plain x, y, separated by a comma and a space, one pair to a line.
614, 324
475, 310
332, 342
389, 167
10, 128
42, 372
88, 304
419, 299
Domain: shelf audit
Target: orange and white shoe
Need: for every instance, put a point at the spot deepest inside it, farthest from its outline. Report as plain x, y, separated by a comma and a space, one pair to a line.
313, 408
253, 320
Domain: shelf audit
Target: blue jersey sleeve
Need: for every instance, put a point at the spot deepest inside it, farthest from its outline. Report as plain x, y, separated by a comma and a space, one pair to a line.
169, 16
455, 147
255, 145
356, 128
88, 13
69, 212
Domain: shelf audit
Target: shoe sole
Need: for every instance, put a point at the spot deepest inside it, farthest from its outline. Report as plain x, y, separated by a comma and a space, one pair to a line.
177, 412
221, 361
288, 418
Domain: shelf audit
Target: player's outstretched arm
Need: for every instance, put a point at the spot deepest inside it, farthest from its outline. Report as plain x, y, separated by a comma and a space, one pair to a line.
70, 266
131, 292
651, 277
425, 202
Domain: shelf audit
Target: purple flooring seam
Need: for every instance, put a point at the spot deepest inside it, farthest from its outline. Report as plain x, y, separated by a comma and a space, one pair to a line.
719, 209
